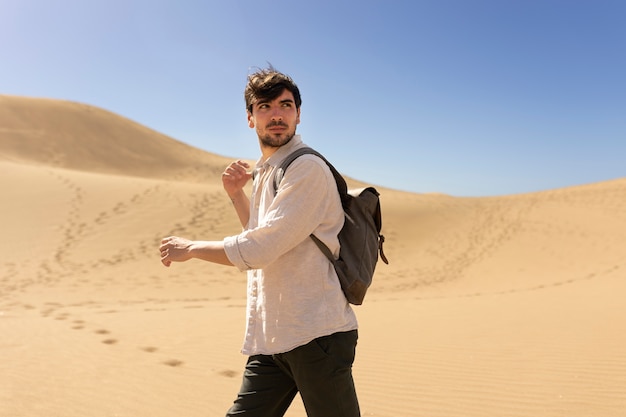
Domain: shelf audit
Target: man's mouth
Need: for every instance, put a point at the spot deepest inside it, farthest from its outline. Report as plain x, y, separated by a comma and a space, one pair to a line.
277, 126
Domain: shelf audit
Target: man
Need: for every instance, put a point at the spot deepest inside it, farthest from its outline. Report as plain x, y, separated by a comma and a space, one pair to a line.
301, 333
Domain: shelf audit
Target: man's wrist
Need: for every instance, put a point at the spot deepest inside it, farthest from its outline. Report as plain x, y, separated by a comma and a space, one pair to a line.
236, 197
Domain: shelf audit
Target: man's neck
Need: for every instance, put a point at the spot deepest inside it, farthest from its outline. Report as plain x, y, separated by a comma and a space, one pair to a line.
268, 151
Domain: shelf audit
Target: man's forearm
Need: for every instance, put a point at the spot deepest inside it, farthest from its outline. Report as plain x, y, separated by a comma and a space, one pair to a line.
178, 249
210, 251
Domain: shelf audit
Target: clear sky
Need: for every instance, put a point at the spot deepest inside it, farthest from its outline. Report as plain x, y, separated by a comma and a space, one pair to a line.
462, 97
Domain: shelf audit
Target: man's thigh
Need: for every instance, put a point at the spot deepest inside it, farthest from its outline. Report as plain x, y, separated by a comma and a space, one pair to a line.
266, 391
322, 370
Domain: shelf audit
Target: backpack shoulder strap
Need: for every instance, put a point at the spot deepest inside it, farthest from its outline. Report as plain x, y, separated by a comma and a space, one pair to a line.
342, 187
325, 250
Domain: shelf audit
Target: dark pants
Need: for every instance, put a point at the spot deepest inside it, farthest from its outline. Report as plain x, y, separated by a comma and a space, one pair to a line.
320, 370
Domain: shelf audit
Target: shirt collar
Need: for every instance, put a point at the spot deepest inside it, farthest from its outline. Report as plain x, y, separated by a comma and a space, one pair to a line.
282, 152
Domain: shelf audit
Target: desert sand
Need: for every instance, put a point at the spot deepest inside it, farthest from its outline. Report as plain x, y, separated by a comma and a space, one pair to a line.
490, 307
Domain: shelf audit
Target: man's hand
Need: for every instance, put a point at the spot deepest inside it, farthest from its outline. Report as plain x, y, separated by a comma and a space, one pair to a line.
235, 178
175, 249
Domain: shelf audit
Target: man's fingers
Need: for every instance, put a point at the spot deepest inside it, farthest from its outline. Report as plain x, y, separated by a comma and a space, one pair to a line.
238, 167
164, 250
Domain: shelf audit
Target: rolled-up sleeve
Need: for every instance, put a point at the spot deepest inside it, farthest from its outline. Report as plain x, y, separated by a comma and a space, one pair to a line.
231, 247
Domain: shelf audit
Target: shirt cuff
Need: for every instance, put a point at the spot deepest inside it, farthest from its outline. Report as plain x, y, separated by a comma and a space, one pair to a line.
231, 247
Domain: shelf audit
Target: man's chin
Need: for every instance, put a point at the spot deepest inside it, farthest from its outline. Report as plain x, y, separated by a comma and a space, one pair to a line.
277, 140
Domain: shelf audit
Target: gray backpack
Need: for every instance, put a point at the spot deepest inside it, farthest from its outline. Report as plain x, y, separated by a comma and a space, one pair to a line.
360, 238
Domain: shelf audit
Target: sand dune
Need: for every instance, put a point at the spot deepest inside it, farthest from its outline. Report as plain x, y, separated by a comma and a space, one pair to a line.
82, 137
500, 306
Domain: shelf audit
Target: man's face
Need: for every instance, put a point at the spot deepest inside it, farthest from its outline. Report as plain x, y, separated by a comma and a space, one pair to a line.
275, 121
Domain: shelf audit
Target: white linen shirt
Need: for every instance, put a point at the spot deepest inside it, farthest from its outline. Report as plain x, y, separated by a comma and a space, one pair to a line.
293, 293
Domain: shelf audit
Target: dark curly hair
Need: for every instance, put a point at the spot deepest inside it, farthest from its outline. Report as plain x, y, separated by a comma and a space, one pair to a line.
268, 84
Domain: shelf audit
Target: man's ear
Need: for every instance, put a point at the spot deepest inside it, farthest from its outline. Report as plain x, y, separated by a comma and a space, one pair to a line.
250, 119
298, 118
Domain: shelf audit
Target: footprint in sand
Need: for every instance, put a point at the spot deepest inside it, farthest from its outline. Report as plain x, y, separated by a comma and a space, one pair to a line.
173, 362
149, 349
228, 373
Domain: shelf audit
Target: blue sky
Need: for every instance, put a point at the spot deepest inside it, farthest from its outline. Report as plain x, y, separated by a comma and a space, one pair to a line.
468, 98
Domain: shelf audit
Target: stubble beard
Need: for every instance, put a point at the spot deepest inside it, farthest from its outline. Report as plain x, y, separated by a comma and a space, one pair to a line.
276, 141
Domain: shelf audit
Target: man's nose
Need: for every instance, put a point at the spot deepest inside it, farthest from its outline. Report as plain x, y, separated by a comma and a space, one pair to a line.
277, 114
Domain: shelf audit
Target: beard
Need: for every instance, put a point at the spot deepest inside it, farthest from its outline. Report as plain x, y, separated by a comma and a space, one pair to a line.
277, 140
